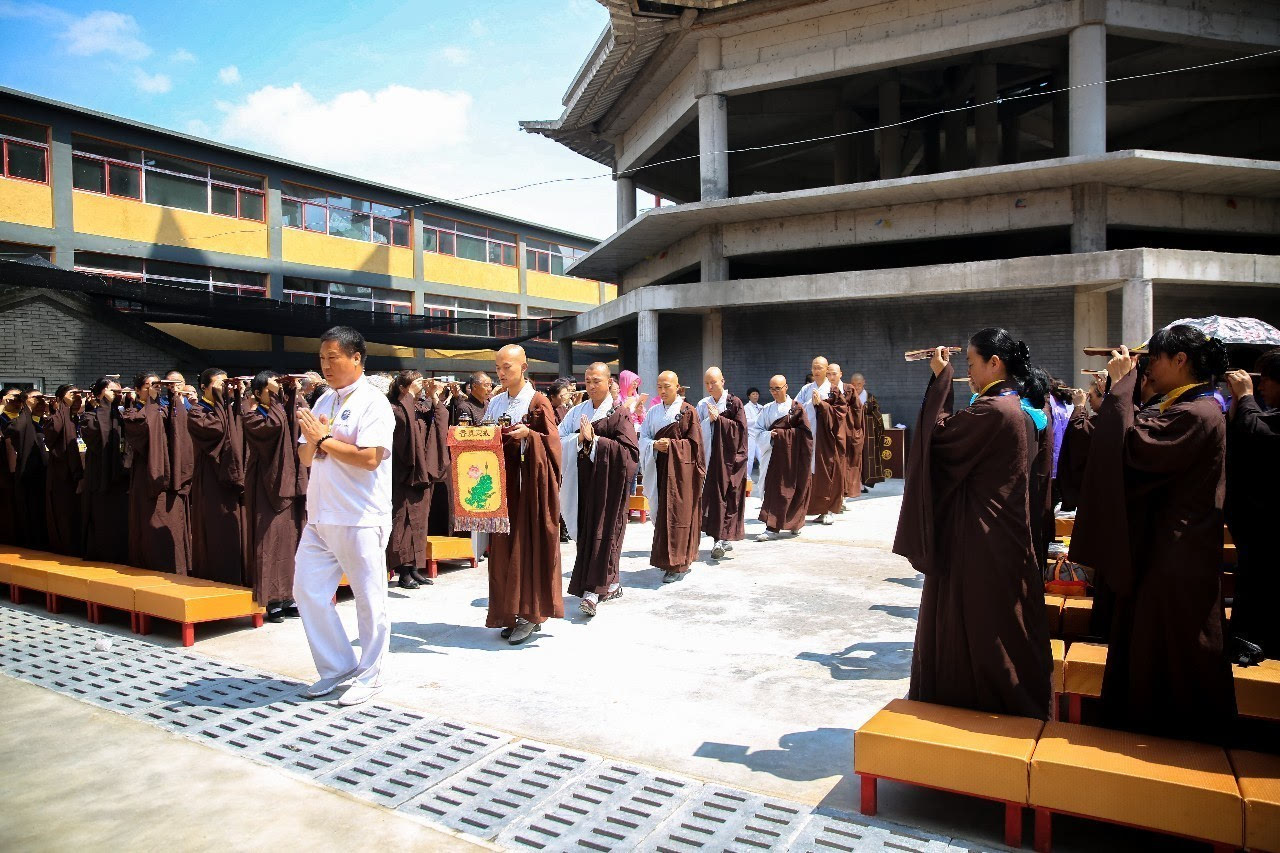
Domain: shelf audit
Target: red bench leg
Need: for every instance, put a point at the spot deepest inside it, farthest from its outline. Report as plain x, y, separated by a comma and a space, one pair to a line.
257, 620
869, 803
144, 624
1073, 707
1013, 824
1044, 831
474, 563
15, 593
95, 614
133, 622
51, 603
188, 633
433, 569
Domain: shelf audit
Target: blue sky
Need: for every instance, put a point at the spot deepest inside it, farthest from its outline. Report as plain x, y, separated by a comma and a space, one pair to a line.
424, 95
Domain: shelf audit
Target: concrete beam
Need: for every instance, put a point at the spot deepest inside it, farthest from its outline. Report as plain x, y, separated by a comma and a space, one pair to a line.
1089, 218
1087, 68
1137, 311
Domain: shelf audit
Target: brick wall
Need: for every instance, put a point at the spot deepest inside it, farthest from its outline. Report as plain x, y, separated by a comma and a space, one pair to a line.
46, 340
870, 336
680, 349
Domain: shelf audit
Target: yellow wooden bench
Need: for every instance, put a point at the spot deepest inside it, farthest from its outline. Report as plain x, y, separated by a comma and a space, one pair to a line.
1258, 776
1085, 665
27, 569
1058, 649
638, 505
440, 548
72, 581
951, 749
190, 600
1258, 690
1063, 527
1053, 610
1076, 615
1174, 787
118, 592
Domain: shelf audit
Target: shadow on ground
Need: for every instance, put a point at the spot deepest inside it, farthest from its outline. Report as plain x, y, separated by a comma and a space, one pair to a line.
427, 637
801, 756
897, 610
882, 661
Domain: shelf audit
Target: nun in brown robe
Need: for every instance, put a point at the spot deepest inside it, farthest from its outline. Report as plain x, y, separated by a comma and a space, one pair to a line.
66, 469
159, 480
1074, 456
982, 639
275, 489
217, 486
855, 435
106, 479
30, 473
787, 479
873, 446
419, 461
827, 492
1151, 523
674, 477
724, 444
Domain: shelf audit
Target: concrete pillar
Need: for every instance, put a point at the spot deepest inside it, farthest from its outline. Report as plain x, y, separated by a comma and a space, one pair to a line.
566, 356
1136, 311
275, 244
890, 137
712, 342
647, 350
714, 265
986, 124
1089, 218
1090, 330
522, 267
955, 124
842, 170
60, 167
626, 189
713, 129
1088, 106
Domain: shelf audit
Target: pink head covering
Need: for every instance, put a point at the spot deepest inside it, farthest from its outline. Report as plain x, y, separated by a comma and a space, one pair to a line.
628, 383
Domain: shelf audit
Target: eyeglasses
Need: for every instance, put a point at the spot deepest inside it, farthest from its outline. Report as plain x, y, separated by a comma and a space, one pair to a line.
776, 388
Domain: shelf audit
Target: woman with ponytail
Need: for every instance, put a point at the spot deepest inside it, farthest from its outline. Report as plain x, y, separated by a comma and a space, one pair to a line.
982, 639
1150, 524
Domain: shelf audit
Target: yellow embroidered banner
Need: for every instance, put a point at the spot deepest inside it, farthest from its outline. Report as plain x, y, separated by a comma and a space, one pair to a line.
479, 479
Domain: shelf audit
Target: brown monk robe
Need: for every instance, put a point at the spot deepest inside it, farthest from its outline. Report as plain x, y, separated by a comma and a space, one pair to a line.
873, 446
419, 461
982, 639
30, 472
674, 469
829, 440
787, 479
1150, 522
723, 419
275, 487
8, 522
159, 482
1074, 454
106, 479
217, 486
593, 502
855, 435
66, 469
524, 565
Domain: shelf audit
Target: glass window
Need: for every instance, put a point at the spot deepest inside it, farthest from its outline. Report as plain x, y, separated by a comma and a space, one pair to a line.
85, 145
316, 218
400, 233
429, 239
170, 269
557, 264
509, 255
344, 223
290, 213
124, 181
173, 191
25, 161
247, 279
471, 248
176, 164
23, 130
446, 243
495, 252
252, 206
222, 200
89, 175
381, 230
114, 263
388, 211
240, 179
305, 193
340, 289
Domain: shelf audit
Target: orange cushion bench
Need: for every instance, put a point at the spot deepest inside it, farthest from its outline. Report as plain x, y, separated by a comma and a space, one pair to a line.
1085, 665
190, 600
1169, 786
952, 749
448, 548
1258, 691
1258, 776
1063, 527
638, 505
1053, 610
1076, 613
1058, 649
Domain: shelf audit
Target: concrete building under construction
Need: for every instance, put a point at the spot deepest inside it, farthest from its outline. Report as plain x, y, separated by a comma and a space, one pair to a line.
856, 178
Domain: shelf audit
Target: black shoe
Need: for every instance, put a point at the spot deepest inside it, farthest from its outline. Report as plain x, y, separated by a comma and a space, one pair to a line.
416, 575
276, 615
290, 611
406, 581
506, 633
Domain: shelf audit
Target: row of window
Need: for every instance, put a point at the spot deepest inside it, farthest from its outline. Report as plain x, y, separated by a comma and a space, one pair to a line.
191, 276
24, 151
343, 216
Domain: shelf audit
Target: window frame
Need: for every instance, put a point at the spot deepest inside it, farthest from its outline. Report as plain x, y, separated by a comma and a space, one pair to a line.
310, 297
514, 244
539, 253
42, 147
326, 206
145, 277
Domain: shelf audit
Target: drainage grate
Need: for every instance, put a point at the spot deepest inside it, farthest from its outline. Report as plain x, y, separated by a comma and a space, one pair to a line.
252, 730
611, 808
832, 834
342, 738
128, 686
398, 771
491, 794
725, 819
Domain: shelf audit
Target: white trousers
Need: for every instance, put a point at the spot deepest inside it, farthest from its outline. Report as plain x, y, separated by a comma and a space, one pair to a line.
325, 552
753, 452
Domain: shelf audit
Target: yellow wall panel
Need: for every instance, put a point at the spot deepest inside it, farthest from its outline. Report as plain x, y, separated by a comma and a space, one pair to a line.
446, 269
203, 337
26, 203
312, 345
126, 219
563, 287
388, 349
610, 292
323, 250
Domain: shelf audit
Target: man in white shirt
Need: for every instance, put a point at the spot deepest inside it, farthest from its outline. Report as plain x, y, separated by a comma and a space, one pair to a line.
346, 439
753, 407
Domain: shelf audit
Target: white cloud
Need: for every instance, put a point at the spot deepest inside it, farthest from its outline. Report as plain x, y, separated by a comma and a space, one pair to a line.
229, 75
152, 84
478, 28
196, 127
182, 55
455, 55
105, 32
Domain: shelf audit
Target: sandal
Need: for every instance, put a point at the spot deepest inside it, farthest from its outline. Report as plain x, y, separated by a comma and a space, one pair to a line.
588, 607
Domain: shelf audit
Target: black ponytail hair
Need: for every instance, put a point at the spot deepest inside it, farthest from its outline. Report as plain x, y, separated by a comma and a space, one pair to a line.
1059, 391
1206, 356
400, 382
140, 379
1032, 383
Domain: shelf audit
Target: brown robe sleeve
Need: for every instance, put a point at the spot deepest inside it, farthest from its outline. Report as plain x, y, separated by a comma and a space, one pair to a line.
144, 431
60, 438
269, 436
182, 458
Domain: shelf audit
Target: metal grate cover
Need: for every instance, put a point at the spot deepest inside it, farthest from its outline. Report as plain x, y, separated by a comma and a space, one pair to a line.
397, 771
341, 738
491, 794
827, 833
253, 730
721, 818
611, 808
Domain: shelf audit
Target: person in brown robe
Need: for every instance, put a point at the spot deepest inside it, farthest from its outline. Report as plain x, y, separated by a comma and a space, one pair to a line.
1075, 444
9, 411
419, 462
674, 470
524, 565
473, 402
599, 446
1151, 523
30, 464
217, 485
873, 470
982, 639
66, 469
785, 457
1253, 502
163, 464
275, 485
106, 479
723, 420
854, 434
1040, 497
825, 408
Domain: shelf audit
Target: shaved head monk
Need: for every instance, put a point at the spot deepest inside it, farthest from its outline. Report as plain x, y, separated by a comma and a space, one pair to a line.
598, 446
674, 469
786, 447
524, 565
825, 413
723, 420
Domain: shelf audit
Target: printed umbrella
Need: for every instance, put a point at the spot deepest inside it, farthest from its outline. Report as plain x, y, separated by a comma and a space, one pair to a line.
1235, 331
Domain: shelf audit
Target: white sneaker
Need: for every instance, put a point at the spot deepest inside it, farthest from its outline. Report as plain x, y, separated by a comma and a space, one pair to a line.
822, 519
325, 686
359, 693
717, 551
728, 546
767, 536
